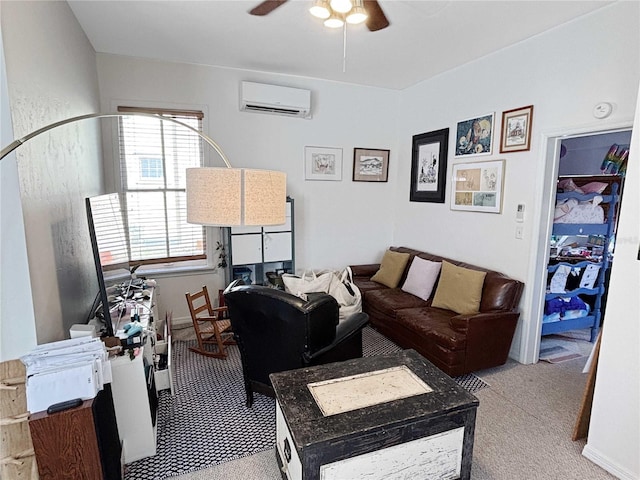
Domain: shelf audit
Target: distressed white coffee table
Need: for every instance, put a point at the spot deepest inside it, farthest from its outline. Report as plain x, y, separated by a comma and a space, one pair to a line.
384, 417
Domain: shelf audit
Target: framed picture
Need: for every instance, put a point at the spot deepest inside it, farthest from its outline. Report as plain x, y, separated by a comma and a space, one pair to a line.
322, 163
516, 130
477, 187
370, 165
474, 136
429, 166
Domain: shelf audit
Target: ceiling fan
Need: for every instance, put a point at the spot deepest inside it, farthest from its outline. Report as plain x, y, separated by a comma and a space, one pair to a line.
336, 11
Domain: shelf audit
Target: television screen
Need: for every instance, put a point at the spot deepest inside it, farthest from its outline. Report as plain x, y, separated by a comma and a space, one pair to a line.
110, 245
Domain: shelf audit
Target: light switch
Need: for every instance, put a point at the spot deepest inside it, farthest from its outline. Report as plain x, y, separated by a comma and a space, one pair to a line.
519, 231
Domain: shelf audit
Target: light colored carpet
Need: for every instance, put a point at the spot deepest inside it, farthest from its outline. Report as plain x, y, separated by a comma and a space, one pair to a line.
523, 429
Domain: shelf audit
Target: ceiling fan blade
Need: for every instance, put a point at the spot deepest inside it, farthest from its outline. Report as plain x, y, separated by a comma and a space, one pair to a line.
266, 7
377, 19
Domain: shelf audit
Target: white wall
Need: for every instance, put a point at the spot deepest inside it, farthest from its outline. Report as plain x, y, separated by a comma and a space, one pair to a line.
337, 223
614, 432
51, 75
584, 154
563, 73
17, 323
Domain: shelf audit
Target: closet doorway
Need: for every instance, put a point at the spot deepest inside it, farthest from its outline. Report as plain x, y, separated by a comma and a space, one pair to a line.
579, 256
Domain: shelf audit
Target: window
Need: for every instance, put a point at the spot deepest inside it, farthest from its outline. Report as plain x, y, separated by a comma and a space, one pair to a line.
154, 155
150, 168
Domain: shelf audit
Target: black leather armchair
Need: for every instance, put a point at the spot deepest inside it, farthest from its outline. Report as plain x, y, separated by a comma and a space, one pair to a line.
277, 331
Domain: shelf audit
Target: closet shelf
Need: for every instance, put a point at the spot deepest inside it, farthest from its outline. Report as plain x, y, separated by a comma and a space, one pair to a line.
580, 229
570, 226
582, 264
584, 197
570, 324
576, 292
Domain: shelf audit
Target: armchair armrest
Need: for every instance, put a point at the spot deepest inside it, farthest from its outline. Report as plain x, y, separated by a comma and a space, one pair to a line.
345, 330
350, 326
368, 270
475, 321
489, 336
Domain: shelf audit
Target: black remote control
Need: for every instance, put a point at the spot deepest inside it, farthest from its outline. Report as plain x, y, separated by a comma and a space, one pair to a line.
59, 407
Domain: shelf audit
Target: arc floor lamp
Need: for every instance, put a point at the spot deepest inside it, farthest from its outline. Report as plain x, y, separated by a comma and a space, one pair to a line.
215, 196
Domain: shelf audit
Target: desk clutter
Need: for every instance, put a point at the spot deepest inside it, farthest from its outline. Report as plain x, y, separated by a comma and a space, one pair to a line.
90, 403
69, 408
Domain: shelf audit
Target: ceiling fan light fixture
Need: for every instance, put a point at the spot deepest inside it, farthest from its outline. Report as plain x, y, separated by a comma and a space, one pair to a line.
334, 21
320, 9
341, 6
357, 14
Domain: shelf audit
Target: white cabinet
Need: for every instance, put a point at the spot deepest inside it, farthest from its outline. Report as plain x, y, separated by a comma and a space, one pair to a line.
134, 415
136, 381
277, 247
246, 248
254, 251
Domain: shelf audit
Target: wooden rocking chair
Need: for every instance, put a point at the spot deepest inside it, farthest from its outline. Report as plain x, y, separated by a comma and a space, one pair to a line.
213, 328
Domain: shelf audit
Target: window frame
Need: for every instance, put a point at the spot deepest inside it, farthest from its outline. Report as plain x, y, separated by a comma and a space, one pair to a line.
113, 174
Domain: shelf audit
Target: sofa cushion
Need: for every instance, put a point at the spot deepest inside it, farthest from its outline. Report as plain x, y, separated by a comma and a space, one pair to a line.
459, 289
433, 324
389, 300
421, 278
365, 284
391, 268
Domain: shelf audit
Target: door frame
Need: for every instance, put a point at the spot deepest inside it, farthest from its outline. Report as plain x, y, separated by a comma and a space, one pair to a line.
546, 192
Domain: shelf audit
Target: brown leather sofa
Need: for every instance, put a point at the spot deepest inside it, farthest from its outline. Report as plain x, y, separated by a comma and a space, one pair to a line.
457, 344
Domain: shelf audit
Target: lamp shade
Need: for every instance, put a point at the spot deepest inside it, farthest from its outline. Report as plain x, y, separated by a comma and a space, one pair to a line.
357, 14
320, 9
342, 6
235, 196
334, 21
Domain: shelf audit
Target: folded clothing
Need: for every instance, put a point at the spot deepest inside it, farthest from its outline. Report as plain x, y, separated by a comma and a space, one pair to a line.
568, 185
572, 211
562, 305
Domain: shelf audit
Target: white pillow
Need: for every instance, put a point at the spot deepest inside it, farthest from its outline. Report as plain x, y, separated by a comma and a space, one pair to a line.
421, 277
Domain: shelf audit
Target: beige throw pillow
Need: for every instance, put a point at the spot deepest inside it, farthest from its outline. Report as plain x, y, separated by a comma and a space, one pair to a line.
459, 289
421, 278
391, 268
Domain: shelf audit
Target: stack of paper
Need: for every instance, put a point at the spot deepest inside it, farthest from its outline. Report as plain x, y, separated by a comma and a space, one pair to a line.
64, 370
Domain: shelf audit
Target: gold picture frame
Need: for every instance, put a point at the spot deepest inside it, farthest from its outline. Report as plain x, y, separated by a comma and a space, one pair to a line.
516, 130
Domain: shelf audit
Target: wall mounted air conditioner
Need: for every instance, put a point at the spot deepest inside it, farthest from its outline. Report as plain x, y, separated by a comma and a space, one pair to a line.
274, 99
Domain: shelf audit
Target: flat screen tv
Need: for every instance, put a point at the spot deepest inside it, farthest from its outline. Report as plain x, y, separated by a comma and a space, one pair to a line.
110, 245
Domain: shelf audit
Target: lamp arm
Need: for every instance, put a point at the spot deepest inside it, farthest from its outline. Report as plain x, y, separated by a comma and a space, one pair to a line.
16, 143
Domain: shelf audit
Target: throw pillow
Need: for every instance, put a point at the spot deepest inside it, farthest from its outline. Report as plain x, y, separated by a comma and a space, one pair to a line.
421, 277
459, 289
391, 268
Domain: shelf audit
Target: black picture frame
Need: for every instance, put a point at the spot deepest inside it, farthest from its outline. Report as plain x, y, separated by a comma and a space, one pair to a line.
370, 165
429, 166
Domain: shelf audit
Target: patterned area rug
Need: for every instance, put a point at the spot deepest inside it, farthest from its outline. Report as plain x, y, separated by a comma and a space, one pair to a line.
558, 348
558, 354
206, 422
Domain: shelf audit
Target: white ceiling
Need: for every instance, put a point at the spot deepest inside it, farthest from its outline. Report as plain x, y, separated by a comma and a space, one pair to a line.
424, 39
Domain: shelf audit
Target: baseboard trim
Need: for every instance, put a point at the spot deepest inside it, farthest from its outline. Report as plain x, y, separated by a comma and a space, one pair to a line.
181, 322
606, 463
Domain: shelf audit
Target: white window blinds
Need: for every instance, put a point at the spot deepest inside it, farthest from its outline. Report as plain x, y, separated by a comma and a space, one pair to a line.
154, 155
